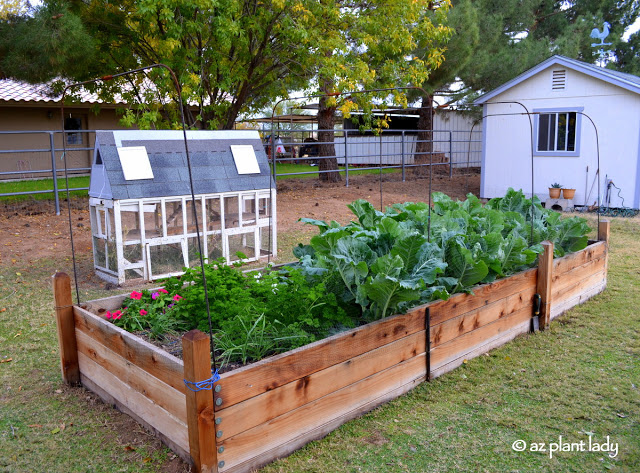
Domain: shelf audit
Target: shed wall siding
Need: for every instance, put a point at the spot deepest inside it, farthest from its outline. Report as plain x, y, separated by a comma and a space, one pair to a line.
616, 114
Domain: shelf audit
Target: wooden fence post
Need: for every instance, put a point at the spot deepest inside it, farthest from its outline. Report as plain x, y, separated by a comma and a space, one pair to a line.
200, 415
66, 328
603, 231
545, 272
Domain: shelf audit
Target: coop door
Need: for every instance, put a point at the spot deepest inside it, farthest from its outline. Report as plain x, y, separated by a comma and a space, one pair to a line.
166, 259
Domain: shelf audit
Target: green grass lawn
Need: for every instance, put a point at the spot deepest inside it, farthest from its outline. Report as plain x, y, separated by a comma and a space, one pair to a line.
286, 168
39, 185
579, 379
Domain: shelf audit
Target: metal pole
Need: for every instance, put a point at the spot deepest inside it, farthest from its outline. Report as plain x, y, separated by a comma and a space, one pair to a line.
273, 154
346, 159
403, 171
450, 154
54, 171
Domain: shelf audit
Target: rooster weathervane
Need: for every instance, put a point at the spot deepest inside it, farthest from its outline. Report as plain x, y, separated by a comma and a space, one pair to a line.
596, 34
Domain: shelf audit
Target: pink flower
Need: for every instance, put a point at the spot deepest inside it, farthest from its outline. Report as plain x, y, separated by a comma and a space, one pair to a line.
143, 312
154, 296
177, 297
136, 295
116, 315
107, 315
164, 291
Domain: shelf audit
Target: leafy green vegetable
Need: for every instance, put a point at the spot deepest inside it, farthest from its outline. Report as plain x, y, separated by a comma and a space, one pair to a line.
389, 261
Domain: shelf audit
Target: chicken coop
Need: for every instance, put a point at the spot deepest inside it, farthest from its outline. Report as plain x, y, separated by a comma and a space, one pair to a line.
142, 211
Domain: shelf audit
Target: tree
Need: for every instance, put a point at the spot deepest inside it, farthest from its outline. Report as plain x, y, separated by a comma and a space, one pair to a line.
369, 45
496, 41
517, 35
459, 48
231, 56
51, 43
11, 8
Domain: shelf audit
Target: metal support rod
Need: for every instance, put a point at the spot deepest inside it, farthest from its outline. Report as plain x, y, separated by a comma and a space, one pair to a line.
56, 197
180, 102
427, 316
450, 154
346, 158
402, 164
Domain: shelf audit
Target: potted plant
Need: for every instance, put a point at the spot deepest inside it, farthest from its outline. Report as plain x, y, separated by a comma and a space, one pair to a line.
568, 193
554, 190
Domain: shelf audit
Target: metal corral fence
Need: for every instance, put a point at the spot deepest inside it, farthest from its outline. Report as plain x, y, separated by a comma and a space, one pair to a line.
26, 155
40, 154
365, 150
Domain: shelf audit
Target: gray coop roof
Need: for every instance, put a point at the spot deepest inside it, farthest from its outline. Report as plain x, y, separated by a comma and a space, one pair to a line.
212, 165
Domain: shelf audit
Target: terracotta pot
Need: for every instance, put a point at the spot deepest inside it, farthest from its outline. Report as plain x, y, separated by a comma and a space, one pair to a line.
568, 193
554, 192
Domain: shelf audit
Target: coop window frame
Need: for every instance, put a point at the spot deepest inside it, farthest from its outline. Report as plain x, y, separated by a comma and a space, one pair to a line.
548, 120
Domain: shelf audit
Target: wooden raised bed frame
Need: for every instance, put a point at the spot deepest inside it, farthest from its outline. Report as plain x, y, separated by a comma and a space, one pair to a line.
266, 410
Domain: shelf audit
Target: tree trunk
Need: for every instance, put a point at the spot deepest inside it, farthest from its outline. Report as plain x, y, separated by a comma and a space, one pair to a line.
424, 146
326, 124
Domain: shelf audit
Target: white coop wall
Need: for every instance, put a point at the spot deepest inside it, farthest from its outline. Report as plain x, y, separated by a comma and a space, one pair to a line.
156, 238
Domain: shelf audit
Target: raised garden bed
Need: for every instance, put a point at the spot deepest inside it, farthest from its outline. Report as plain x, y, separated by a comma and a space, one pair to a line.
267, 410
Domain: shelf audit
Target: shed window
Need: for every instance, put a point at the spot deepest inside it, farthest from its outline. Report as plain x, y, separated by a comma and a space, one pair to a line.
558, 133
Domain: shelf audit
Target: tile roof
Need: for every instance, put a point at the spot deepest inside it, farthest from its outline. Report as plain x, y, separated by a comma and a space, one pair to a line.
18, 91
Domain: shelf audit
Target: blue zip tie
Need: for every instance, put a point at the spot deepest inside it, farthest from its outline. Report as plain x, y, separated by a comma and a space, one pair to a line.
206, 385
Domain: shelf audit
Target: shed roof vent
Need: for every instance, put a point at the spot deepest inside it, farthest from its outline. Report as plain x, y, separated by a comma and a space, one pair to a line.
558, 79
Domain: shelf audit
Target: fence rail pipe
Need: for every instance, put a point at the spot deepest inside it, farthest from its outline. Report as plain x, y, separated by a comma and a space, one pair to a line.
54, 172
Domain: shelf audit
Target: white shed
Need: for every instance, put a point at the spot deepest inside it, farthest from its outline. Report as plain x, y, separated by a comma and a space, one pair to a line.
142, 210
556, 102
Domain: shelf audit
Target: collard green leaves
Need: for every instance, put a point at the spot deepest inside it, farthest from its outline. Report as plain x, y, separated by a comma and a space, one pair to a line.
387, 262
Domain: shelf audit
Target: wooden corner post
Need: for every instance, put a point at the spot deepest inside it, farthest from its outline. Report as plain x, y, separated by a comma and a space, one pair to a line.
66, 328
603, 231
200, 416
545, 272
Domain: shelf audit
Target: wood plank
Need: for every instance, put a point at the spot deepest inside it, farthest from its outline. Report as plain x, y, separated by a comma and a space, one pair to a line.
171, 400
108, 303
581, 286
569, 291
582, 297
270, 373
464, 344
269, 405
544, 284
261, 440
452, 328
158, 363
574, 276
196, 351
143, 408
482, 295
109, 399
65, 326
484, 347
570, 261
319, 432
